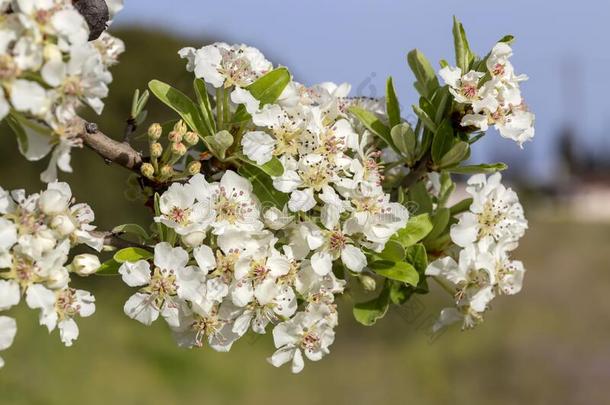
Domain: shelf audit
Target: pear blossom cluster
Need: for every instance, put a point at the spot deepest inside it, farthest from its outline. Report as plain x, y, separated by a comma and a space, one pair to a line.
36, 234
492, 97
482, 269
231, 273
48, 70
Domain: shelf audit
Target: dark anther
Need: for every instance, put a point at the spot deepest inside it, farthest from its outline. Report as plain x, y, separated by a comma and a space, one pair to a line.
91, 127
96, 14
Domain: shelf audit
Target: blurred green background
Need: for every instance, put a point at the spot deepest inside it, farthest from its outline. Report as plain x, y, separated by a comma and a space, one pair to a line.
549, 344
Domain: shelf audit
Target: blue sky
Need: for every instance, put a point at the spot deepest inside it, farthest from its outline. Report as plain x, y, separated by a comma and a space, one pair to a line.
564, 46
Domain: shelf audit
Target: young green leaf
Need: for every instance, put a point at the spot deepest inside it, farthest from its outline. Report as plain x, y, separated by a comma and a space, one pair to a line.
203, 100
463, 54
132, 254
417, 228
426, 80
263, 186
373, 124
458, 153
179, 102
399, 271
442, 142
219, 143
425, 118
392, 105
405, 140
418, 194
393, 251
440, 220
482, 168
369, 312
108, 268
460, 207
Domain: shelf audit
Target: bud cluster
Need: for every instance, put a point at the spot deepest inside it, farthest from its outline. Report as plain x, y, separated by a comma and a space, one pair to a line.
163, 160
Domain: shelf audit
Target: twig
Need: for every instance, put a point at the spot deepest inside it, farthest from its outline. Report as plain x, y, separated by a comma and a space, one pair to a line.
117, 152
130, 129
114, 239
420, 169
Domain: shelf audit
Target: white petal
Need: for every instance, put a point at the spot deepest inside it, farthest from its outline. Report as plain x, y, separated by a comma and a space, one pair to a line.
8, 330
139, 307
301, 200
243, 96
322, 263
135, 274
68, 331
205, 258
169, 258
258, 146
353, 258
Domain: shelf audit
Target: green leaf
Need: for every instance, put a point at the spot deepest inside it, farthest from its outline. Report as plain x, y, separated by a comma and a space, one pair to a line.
205, 107
425, 118
179, 102
418, 194
459, 152
405, 140
426, 80
369, 312
132, 229
460, 207
132, 254
399, 271
418, 257
109, 268
417, 228
263, 186
219, 143
440, 220
463, 54
266, 89
447, 188
482, 168
442, 142
392, 105
22, 138
393, 251
442, 104
273, 168
373, 124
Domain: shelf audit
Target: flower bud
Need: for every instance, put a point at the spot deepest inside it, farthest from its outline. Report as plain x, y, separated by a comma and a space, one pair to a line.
178, 149
147, 170
174, 137
167, 171
368, 282
193, 239
154, 132
85, 264
156, 150
191, 138
193, 168
180, 128
63, 225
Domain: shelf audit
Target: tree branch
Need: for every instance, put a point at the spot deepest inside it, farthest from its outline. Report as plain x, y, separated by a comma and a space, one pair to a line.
420, 169
120, 153
114, 239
